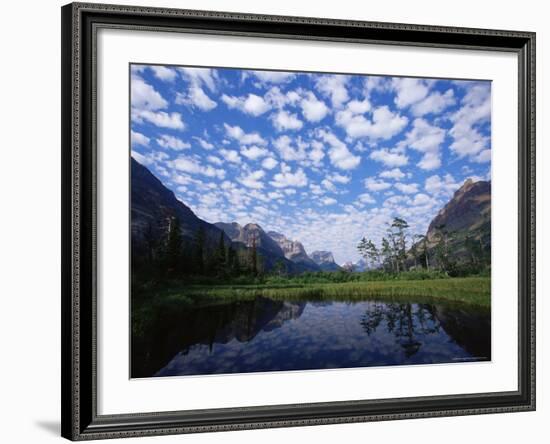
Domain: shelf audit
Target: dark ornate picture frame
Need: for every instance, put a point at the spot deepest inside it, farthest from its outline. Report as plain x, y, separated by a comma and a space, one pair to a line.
80, 23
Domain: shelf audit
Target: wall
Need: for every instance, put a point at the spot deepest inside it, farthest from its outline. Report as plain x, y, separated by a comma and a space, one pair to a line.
29, 226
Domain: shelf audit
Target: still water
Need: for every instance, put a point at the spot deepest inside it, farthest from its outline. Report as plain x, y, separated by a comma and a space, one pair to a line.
269, 335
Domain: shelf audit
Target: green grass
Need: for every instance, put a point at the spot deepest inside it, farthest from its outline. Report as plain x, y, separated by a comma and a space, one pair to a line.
471, 290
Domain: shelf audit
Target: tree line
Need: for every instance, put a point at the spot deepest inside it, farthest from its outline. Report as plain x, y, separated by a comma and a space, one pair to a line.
451, 252
171, 255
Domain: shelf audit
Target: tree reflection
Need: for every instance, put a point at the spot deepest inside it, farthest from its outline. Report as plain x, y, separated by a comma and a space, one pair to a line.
405, 321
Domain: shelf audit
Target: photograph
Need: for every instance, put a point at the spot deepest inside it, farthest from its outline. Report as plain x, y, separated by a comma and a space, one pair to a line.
285, 220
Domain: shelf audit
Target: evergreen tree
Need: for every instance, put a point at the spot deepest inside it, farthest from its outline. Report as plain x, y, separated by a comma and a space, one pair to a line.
174, 244
254, 256
199, 256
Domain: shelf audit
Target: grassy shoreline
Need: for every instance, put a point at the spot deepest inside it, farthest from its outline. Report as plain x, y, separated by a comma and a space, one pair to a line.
470, 290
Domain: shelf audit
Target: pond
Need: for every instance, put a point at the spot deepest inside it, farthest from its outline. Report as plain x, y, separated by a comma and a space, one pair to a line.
271, 335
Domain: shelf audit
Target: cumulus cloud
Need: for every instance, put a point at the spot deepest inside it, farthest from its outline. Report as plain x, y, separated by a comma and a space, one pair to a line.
254, 152
286, 178
445, 186
313, 109
366, 198
384, 123
468, 140
236, 133
252, 180
269, 163
193, 166
144, 96
284, 120
200, 76
204, 143
394, 173
164, 73
173, 143
409, 90
334, 87
139, 139
373, 184
290, 149
434, 103
426, 139
273, 76
251, 104
389, 158
406, 188
339, 154
196, 97
158, 118
328, 201
230, 155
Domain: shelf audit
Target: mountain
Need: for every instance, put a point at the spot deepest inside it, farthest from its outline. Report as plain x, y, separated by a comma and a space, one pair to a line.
251, 233
325, 260
465, 221
268, 249
469, 209
153, 208
293, 250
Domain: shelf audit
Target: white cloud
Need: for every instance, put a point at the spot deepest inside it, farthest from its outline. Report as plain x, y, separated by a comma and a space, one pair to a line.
252, 104
173, 143
230, 155
394, 173
284, 120
339, 154
139, 139
316, 155
388, 158
159, 118
236, 132
422, 199
376, 83
384, 124
164, 73
273, 76
141, 158
286, 178
435, 103
192, 166
426, 139
254, 152
475, 110
196, 97
334, 87
252, 180
200, 76
483, 157
372, 184
339, 178
435, 185
269, 163
409, 90
287, 151
203, 143
215, 160
144, 96
313, 109
328, 201
366, 198
408, 188
328, 185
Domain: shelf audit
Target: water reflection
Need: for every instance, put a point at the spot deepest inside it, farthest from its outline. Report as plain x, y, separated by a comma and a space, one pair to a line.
268, 335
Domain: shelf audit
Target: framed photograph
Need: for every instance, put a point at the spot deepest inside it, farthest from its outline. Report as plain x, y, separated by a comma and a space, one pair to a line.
280, 221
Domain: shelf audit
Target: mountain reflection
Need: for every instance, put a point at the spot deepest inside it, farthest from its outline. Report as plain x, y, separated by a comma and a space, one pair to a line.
269, 335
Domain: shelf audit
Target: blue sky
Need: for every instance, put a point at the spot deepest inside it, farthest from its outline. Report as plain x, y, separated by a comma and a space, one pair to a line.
322, 158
